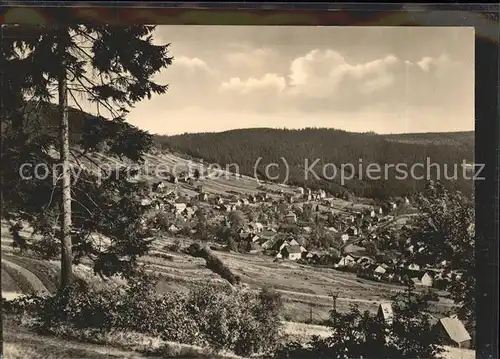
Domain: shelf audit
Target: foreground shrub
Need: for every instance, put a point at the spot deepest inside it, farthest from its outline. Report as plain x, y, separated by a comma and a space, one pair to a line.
219, 317
213, 262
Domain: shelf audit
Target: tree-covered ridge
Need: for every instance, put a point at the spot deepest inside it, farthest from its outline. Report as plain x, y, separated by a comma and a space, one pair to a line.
302, 147
111, 67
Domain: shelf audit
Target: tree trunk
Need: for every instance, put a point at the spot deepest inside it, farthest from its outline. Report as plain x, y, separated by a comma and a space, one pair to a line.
66, 250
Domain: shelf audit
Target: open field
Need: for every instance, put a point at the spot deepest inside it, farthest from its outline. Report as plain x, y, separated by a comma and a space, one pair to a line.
220, 183
306, 292
305, 289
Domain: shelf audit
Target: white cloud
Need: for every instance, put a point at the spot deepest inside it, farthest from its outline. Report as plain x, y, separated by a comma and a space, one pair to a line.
321, 74
250, 58
190, 63
269, 82
325, 79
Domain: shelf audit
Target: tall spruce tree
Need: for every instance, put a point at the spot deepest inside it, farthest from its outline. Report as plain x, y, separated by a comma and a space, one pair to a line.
112, 67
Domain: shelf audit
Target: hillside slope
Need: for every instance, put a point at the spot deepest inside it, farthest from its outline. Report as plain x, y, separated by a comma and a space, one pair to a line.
250, 151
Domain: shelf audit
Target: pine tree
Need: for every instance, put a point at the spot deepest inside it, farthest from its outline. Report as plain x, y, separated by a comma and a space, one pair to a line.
113, 68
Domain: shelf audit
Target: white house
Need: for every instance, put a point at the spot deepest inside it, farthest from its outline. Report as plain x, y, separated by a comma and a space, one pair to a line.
346, 261
266, 243
379, 270
173, 229
307, 229
352, 231
453, 332
254, 238
332, 229
146, 201
292, 252
322, 194
426, 280
385, 313
179, 207
291, 217
414, 267
281, 244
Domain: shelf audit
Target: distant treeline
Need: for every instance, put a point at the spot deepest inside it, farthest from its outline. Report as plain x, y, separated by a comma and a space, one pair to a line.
301, 148
328, 146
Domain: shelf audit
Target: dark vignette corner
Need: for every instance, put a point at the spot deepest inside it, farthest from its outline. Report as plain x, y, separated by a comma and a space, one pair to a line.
487, 150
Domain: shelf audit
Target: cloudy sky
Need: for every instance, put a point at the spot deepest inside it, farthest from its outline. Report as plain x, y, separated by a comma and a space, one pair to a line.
382, 79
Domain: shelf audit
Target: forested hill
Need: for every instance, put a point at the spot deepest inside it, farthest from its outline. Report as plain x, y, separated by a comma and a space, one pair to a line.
244, 147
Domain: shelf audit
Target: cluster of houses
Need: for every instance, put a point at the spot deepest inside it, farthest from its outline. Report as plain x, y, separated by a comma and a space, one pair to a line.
397, 272
308, 195
345, 227
450, 330
261, 239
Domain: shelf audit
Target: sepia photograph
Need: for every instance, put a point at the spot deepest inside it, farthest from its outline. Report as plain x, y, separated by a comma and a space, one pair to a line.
273, 192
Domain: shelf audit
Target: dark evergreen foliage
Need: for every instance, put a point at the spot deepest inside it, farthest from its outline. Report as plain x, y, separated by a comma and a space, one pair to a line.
111, 66
301, 148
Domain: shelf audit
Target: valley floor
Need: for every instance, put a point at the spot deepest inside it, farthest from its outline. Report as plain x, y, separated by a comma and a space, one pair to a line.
306, 291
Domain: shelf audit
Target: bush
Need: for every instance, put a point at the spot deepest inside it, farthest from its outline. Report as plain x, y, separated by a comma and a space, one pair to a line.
354, 334
213, 262
175, 246
219, 317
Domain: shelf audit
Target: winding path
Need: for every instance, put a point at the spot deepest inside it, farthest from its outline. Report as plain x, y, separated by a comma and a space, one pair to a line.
32, 280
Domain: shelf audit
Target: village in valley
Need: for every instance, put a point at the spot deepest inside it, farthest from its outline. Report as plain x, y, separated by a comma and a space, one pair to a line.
259, 226
139, 219
313, 228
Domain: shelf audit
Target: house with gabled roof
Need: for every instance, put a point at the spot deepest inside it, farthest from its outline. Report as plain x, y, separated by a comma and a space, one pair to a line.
188, 212
179, 207
291, 252
266, 243
413, 267
453, 333
423, 279
256, 227
268, 234
293, 242
173, 229
365, 259
254, 247
291, 217
385, 313
279, 245
352, 231
346, 261
254, 238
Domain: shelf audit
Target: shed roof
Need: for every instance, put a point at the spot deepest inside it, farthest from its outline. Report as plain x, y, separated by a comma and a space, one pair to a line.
455, 329
385, 309
293, 249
